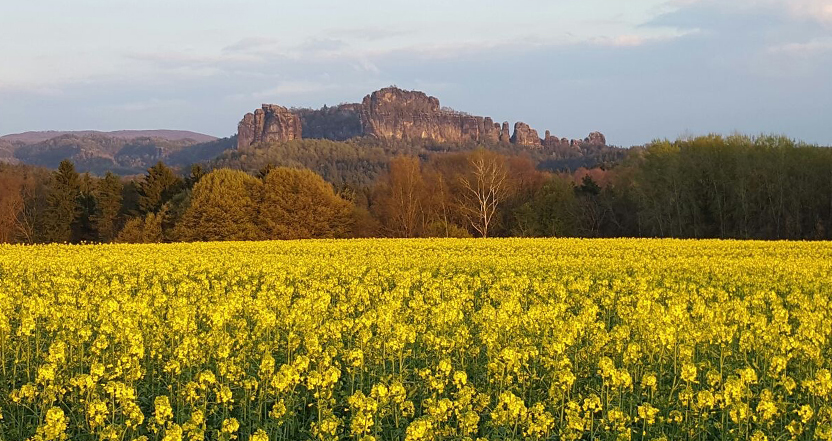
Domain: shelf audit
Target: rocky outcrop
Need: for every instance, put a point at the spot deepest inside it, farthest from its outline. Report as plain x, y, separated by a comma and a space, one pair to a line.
394, 114
271, 123
505, 135
595, 139
525, 135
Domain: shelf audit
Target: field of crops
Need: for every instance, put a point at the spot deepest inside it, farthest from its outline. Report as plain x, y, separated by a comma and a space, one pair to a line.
417, 340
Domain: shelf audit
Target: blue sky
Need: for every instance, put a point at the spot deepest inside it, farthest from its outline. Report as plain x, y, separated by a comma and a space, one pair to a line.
635, 70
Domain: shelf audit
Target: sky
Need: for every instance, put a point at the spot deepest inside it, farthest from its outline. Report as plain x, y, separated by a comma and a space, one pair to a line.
636, 70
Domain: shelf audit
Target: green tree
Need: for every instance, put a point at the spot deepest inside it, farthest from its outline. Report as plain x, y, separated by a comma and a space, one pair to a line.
298, 204
551, 212
197, 173
159, 185
63, 204
143, 229
223, 206
108, 207
84, 228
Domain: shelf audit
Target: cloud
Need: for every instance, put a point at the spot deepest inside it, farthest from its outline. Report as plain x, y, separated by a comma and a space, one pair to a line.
371, 33
288, 89
680, 11
149, 104
323, 45
809, 48
817, 10
248, 44
633, 40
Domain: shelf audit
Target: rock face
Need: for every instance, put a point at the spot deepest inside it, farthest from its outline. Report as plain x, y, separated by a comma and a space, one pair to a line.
505, 136
394, 114
271, 123
525, 135
595, 139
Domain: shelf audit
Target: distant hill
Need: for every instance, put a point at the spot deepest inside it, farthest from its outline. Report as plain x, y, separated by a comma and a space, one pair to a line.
7, 152
123, 152
169, 135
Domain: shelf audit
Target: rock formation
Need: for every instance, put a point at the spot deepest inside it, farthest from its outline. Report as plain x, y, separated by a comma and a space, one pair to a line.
525, 135
505, 135
271, 123
394, 114
595, 139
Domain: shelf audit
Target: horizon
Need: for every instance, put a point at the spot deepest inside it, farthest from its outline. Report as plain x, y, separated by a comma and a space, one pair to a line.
646, 70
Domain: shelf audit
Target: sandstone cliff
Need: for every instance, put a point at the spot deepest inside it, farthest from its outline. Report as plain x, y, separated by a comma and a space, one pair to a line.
394, 114
595, 139
271, 123
525, 135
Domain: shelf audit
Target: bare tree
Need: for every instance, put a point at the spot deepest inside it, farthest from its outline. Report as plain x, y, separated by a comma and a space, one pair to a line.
29, 218
402, 203
11, 202
483, 189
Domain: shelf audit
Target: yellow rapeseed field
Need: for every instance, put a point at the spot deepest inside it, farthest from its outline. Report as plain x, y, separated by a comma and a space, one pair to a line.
417, 340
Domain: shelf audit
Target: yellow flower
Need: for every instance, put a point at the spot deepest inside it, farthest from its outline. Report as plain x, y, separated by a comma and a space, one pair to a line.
97, 413
647, 413
230, 425
56, 424
648, 381
224, 395
806, 413
163, 411
260, 435
689, 372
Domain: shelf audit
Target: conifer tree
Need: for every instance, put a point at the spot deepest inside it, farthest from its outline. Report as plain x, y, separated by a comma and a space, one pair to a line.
197, 173
83, 229
159, 185
108, 206
63, 207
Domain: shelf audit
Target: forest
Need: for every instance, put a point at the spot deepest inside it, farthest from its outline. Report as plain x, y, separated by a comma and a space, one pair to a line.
765, 187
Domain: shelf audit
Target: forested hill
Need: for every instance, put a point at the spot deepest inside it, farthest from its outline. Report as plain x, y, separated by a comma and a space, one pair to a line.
170, 135
122, 152
360, 161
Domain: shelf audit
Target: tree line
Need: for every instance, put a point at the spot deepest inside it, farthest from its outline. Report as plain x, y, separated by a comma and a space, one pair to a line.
705, 187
